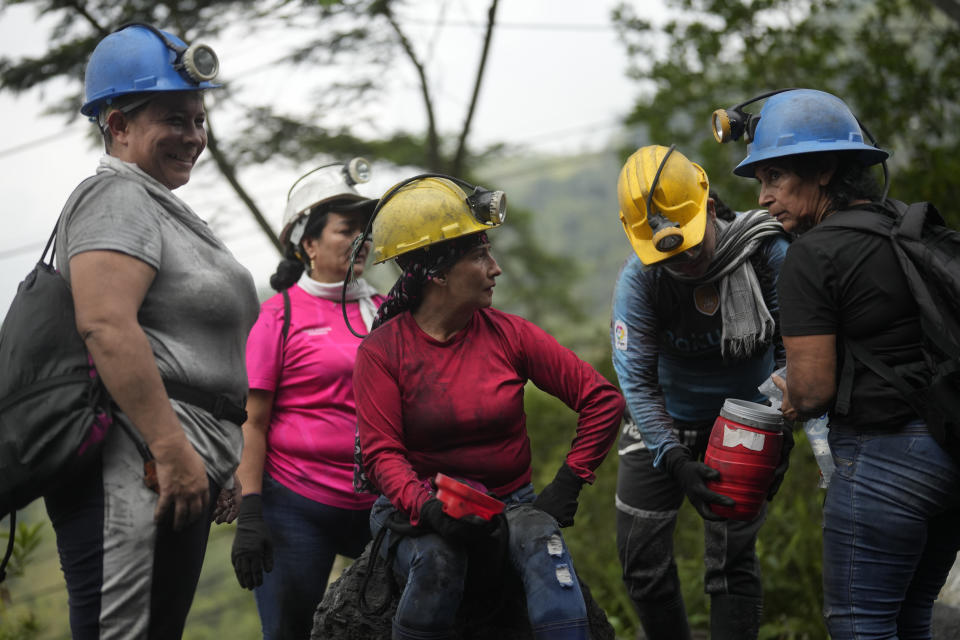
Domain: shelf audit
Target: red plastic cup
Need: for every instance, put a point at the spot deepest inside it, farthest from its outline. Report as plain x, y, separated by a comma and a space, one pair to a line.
459, 499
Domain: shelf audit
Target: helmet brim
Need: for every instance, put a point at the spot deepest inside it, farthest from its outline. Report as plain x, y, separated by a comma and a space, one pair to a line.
868, 156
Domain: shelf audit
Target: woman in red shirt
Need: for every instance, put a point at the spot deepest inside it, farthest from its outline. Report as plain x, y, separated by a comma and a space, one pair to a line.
439, 387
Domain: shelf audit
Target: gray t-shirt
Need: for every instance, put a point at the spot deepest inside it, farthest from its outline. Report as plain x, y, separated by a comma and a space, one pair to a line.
200, 306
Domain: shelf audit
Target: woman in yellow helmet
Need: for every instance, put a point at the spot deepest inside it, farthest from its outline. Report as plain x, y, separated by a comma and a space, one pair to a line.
694, 322
439, 385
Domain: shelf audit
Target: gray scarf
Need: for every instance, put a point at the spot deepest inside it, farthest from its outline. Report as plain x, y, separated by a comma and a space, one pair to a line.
171, 204
747, 323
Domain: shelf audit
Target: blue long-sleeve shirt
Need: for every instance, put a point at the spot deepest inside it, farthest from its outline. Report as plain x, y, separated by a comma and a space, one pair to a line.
666, 348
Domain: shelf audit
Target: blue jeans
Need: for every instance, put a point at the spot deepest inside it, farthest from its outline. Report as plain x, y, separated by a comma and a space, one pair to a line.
891, 530
436, 572
307, 536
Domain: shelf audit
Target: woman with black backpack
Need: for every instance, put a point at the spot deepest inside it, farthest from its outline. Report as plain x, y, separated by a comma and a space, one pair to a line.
164, 310
892, 509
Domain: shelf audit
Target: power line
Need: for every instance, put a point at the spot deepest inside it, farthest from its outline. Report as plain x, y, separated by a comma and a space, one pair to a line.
16, 251
30, 144
533, 26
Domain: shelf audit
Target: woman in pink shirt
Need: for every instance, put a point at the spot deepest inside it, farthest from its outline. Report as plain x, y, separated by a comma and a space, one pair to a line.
299, 509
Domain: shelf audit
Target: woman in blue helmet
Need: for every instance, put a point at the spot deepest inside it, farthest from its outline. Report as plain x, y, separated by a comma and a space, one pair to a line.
164, 309
891, 515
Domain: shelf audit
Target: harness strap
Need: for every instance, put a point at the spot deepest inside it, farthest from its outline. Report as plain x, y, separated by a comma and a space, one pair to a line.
217, 404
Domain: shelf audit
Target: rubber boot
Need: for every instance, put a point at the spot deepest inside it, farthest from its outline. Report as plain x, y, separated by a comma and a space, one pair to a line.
734, 617
663, 620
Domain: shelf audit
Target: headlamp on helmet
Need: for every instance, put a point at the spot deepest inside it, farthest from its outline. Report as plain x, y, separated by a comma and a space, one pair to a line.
198, 61
733, 123
357, 171
488, 207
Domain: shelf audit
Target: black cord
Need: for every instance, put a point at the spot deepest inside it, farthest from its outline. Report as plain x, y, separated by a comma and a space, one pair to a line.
653, 186
362, 238
10, 539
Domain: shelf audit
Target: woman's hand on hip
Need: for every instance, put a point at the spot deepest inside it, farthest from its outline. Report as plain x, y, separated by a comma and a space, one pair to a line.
182, 476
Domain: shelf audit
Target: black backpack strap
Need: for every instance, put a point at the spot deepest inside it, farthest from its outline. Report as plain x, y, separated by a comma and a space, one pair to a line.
217, 404
845, 384
912, 221
286, 314
882, 369
918, 399
9, 551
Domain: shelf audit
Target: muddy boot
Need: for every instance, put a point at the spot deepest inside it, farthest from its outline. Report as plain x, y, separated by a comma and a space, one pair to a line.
663, 620
734, 617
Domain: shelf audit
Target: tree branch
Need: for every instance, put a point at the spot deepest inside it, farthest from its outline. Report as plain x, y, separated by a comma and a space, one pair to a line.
229, 172
458, 159
433, 142
82, 10
949, 7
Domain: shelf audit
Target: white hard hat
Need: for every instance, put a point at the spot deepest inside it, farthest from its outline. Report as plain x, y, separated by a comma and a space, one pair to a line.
331, 182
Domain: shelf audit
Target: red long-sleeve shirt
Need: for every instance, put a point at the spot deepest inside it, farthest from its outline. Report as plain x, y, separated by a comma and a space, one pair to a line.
425, 406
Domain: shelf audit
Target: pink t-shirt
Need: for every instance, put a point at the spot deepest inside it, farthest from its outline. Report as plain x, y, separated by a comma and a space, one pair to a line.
313, 422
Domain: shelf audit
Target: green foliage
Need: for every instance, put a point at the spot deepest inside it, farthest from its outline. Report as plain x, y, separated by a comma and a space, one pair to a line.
26, 541
893, 61
16, 622
221, 608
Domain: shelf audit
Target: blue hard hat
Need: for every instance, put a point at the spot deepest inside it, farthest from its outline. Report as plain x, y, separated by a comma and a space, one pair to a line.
142, 59
805, 121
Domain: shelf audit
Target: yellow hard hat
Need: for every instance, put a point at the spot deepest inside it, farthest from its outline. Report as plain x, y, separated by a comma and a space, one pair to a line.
428, 210
678, 202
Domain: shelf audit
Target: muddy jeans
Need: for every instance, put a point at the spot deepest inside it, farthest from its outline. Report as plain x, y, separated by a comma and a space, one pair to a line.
647, 504
436, 571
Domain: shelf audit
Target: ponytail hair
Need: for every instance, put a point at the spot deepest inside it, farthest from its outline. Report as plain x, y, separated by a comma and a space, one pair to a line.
288, 271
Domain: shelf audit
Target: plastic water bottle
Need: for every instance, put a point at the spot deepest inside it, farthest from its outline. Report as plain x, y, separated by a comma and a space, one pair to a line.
816, 429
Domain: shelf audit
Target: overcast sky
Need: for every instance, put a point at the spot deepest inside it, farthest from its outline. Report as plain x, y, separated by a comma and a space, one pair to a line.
555, 82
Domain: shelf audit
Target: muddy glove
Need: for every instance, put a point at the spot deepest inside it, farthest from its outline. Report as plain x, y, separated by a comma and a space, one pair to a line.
781, 469
252, 552
559, 498
692, 476
469, 529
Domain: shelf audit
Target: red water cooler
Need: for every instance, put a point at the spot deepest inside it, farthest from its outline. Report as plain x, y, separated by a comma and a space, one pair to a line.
745, 448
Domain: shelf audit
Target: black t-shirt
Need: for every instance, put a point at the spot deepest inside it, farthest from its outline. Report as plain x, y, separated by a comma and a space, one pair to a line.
848, 283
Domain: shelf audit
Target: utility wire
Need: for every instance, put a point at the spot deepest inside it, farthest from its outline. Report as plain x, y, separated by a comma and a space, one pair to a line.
30, 144
532, 26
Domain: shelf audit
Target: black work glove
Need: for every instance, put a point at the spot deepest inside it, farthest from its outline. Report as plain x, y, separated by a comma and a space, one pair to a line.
469, 529
559, 498
781, 469
692, 476
252, 552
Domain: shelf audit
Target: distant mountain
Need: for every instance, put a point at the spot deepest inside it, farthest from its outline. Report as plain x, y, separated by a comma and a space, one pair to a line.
574, 203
